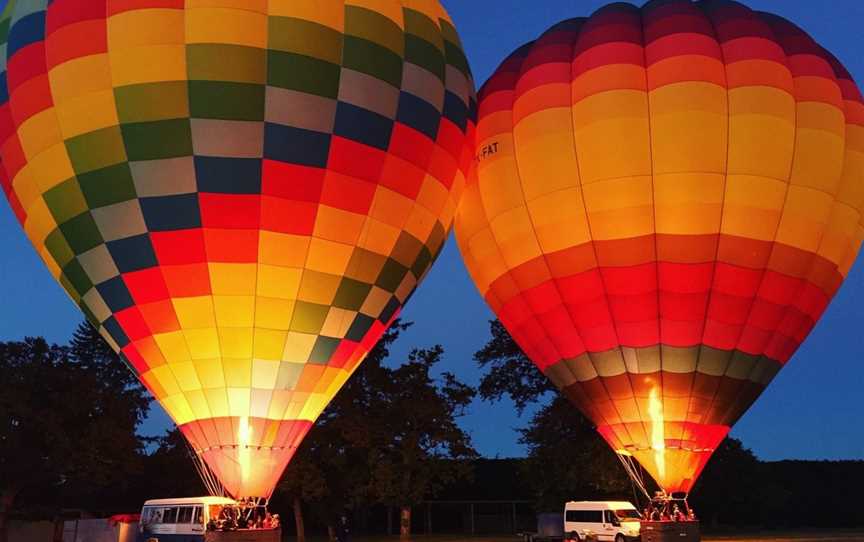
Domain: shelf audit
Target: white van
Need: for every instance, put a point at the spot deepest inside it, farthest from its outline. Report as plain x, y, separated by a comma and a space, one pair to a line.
194, 520
609, 521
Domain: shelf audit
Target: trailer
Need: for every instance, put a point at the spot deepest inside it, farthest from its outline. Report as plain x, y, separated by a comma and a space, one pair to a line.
260, 535
669, 531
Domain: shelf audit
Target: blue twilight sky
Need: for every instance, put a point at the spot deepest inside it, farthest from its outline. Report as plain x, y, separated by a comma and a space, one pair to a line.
812, 410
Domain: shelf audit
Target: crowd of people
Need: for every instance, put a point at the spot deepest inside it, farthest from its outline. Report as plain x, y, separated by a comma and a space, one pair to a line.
232, 518
667, 511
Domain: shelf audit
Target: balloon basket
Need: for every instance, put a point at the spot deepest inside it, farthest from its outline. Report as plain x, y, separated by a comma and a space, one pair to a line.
669, 531
245, 535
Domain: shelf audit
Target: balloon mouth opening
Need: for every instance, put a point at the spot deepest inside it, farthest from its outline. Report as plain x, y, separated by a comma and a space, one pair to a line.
219, 447
243, 457
632, 449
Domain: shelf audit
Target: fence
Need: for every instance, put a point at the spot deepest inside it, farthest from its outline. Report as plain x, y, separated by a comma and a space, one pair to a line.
82, 530
30, 531
98, 530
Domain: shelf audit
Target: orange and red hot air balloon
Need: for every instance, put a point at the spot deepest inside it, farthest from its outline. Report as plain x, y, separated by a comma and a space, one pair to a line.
239, 194
666, 199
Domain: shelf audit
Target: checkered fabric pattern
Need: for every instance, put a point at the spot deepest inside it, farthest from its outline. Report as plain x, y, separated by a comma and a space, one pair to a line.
240, 194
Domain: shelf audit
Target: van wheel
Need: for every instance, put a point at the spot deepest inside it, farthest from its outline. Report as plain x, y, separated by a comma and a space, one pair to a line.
620, 538
574, 537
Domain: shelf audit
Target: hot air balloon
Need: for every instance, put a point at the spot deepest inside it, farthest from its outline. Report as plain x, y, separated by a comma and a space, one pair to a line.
240, 194
665, 201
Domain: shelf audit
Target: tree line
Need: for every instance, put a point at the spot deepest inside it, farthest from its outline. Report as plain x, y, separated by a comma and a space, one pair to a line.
70, 414
391, 439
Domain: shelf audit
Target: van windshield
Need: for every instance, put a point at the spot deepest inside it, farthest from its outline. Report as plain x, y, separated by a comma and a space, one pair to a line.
624, 515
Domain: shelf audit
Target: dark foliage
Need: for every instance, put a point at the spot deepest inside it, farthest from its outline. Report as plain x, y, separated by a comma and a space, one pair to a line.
811, 493
389, 437
509, 372
730, 485
168, 471
419, 446
737, 489
326, 472
68, 420
568, 460
69, 414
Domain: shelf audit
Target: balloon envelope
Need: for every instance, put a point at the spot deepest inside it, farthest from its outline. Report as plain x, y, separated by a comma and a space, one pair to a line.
666, 199
240, 194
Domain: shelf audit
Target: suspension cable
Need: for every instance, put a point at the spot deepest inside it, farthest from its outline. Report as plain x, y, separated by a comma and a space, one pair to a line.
208, 477
633, 470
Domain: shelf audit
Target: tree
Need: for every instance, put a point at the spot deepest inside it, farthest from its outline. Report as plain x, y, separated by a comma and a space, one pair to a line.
389, 436
420, 446
731, 487
324, 473
568, 460
29, 429
168, 470
567, 457
114, 378
110, 403
68, 420
304, 482
509, 371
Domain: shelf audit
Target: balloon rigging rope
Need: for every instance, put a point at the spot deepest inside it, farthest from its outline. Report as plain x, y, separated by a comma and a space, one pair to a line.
636, 478
211, 483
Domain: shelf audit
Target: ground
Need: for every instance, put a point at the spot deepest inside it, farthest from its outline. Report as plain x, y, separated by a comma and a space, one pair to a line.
810, 536
803, 536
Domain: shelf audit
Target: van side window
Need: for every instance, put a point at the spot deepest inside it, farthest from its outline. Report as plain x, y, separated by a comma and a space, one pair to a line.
584, 516
198, 515
609, 516
184, 514
156, 515
169, 515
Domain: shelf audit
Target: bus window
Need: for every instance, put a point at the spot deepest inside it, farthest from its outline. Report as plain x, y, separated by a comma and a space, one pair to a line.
198, 515
184, 514
156, 515
169, 515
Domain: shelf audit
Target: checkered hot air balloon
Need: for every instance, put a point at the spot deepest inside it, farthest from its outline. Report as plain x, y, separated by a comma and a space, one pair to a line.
666, 199
240, 194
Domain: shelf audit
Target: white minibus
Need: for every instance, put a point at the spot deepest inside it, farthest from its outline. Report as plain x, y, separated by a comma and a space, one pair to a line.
608, 521
199, 519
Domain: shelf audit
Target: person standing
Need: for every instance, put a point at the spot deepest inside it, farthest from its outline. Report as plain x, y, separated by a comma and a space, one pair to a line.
343, 528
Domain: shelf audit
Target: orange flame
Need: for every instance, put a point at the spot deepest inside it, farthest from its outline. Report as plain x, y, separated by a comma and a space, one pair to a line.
244, 437
658, 439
